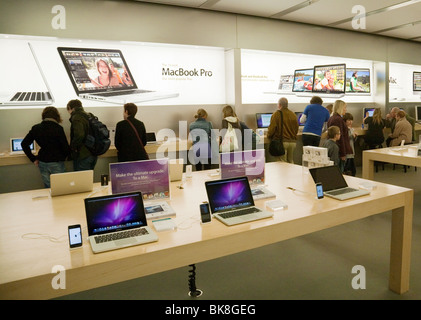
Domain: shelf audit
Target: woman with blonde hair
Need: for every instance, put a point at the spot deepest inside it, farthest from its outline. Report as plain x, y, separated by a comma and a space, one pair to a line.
374, 135
338, 111
230, 122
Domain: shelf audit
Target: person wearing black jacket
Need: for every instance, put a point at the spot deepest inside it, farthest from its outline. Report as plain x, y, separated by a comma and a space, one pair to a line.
130, 144
54, 148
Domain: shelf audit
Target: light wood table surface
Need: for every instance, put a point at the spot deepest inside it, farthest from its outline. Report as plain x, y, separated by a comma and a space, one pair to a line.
406, 155
26, 264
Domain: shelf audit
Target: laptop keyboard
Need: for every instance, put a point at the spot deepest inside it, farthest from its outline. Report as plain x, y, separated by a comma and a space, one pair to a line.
121, 235
237, 213
122, 93
31, 96
342, 191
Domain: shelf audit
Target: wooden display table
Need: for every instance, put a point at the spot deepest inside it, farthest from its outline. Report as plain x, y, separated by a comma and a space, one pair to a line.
27, 264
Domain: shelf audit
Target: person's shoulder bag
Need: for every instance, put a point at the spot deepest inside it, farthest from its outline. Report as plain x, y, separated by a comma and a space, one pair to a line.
138, 138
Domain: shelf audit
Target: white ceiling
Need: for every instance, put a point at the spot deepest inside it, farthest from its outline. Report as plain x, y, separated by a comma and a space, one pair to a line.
393, 18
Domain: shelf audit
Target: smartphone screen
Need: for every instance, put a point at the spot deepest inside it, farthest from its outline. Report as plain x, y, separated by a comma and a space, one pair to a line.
319, 190
205, 213
75, 236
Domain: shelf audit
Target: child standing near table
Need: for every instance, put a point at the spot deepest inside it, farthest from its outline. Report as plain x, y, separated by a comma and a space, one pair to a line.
349, 167
333, 135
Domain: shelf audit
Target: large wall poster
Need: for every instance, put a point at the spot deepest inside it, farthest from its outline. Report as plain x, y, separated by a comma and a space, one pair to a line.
266, 76
70, 69
401, 86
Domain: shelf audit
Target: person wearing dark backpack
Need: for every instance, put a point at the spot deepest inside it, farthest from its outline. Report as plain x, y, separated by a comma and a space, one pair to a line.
83, 159
130, 136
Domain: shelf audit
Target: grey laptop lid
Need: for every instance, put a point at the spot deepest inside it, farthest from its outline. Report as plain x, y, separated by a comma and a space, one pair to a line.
31, 98
333, 181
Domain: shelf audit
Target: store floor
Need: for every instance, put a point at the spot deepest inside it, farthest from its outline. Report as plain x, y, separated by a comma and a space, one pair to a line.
315, 266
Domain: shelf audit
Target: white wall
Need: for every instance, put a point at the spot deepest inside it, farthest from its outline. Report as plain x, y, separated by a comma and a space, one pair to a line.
135, 21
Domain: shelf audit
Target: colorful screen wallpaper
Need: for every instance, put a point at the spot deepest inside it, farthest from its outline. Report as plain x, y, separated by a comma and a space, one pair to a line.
233, 194
108, 214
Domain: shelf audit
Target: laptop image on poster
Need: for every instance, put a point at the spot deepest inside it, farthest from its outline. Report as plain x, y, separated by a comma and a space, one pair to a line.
71, 182
117, 221
103, 75
334, 184
30, 98
231, 201
284, 85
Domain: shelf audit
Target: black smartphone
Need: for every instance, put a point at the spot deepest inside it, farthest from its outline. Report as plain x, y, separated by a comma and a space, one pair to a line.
319, 190
75, 236
205, 213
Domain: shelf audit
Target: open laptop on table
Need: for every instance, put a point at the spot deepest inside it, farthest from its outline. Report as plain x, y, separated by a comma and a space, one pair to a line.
231, 201
151, 138
117, 221
16, 148
82, 65
71, 182
334, 184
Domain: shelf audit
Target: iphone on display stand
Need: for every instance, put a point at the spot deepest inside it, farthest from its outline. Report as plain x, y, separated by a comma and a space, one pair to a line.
75, 236
319, 190
205, 214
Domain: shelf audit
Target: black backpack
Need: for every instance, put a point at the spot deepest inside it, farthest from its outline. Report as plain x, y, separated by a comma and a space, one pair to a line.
98, 139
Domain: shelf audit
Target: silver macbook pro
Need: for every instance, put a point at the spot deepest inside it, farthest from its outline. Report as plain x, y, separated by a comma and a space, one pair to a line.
231, 201
71, 182
334, 184
103, 75
117, 221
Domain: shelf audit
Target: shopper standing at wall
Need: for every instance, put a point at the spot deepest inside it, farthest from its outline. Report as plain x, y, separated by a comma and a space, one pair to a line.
130, 136
314, 117
289, 127
83, 159
54, 148
201, 135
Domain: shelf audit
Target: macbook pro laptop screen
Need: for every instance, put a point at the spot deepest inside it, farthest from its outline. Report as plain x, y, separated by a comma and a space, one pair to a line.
330, 176
16, 148
229, 194
114, 213
97, 70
